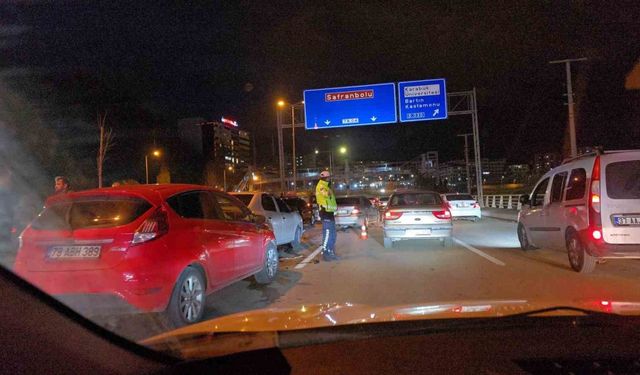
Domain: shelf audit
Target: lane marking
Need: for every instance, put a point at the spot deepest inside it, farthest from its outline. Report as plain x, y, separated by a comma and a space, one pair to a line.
479, 252
308, 259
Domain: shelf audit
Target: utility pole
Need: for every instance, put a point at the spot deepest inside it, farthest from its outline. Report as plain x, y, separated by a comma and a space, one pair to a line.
572, 124
293, 147
466, 159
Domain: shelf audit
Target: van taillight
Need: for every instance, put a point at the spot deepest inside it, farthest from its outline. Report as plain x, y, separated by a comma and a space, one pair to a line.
594, 201
153, 227
597, 234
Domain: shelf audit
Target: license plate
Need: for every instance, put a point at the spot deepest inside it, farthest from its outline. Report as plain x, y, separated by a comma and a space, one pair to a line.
418, 232
626, 220
74, 252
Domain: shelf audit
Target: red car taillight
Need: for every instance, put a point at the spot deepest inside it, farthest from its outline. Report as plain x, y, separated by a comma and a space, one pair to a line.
595, 221
392, 215
155, 226
475, 205
355, 211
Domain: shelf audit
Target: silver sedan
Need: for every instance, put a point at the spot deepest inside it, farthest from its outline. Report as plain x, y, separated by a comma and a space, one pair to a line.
416, 215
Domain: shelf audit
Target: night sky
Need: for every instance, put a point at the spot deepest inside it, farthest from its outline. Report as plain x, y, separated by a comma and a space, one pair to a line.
149, 64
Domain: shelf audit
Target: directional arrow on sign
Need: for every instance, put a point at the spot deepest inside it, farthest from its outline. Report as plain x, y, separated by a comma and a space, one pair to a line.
435, 112
373, 118
327, 122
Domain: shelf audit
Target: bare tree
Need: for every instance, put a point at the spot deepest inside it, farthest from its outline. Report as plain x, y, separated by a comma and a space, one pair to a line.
106, 142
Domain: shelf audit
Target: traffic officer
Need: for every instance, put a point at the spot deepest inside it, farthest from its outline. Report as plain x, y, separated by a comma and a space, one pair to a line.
327, 206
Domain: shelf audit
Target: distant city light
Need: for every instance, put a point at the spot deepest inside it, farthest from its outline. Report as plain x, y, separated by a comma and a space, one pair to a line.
229, 121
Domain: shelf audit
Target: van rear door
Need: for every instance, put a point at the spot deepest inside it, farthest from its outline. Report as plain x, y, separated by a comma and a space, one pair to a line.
620, 186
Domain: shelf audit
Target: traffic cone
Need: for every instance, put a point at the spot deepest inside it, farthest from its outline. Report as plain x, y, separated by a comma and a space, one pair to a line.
363, 233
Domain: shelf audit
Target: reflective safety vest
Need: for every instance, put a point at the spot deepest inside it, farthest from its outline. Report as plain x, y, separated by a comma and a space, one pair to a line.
325, 197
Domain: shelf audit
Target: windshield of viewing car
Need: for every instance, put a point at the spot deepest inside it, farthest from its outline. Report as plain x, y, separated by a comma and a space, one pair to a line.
483, 122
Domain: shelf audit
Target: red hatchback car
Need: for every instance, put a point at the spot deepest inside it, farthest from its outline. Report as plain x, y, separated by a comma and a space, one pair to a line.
155, 247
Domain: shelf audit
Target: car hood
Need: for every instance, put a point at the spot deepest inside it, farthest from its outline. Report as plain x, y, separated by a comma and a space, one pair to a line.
335, 314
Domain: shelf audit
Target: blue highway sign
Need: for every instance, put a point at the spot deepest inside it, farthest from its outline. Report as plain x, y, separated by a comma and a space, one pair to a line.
350, 106
423, 100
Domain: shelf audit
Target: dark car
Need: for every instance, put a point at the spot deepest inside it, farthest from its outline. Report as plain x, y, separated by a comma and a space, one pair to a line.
304, 208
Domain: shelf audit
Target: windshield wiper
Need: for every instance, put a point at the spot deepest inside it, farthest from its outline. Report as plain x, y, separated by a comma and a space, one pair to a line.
559, 308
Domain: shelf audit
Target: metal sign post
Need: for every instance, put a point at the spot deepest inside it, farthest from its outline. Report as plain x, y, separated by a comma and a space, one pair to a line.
457, 103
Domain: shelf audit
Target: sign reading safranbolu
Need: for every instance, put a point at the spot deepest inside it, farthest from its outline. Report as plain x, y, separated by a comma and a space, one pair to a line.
350, 106
423, 100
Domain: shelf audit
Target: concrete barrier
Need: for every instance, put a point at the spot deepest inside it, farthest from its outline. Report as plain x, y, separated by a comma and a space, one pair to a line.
500, 213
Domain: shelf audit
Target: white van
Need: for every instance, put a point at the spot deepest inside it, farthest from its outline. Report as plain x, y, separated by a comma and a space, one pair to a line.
589, 205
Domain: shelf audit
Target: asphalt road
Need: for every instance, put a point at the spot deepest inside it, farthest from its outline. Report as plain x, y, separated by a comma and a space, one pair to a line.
483, 263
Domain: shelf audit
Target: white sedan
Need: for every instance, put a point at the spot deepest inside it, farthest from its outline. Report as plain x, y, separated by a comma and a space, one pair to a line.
285, 222
462, 206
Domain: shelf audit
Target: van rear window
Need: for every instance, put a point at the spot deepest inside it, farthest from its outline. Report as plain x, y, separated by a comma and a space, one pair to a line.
623, 179
90, 212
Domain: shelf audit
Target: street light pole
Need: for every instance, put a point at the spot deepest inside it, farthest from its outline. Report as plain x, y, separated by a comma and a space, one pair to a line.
280, 143
155, 153
331, 163
146, 168
572, 124
466, 159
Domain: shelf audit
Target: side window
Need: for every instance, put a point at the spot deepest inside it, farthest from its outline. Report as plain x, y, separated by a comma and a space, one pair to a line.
267, 203
537, 197
577, 184
232, 209
557, 187
193, 205
282, 205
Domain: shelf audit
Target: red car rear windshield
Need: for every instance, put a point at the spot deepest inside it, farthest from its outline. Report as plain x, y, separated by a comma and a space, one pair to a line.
245, 198
90, 212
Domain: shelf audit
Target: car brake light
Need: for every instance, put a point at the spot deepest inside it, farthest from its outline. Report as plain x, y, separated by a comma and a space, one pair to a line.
153, 227
444, 214
596, 234
392, 215
594, 201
